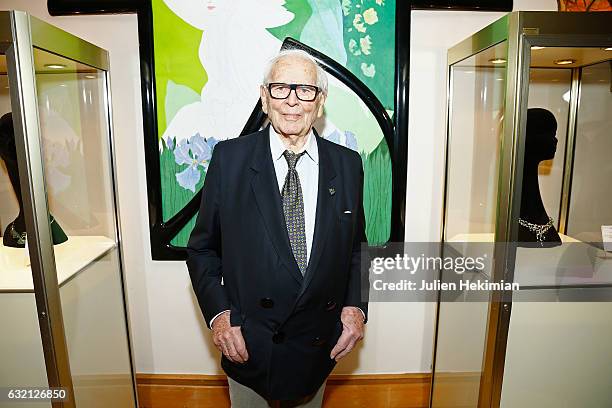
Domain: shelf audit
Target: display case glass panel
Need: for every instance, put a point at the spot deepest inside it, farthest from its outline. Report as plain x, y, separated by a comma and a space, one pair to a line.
573, 85
75, 145
8, 207
475, 119
75, 137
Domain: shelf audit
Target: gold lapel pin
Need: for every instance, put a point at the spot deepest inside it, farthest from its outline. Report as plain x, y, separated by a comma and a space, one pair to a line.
332, 191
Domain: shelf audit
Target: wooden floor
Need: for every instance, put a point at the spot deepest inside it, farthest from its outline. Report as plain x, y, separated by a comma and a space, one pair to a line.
342, 391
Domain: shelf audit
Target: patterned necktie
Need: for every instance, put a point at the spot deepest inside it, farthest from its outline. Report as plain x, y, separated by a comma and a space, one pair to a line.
293, 208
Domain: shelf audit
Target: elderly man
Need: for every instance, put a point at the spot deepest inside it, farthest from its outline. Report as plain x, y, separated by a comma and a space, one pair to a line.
274, 257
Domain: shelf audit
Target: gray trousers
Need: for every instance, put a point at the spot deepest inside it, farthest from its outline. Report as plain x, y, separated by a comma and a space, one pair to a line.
242, 396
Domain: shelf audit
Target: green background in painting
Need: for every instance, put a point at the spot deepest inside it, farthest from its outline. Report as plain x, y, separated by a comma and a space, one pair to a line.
369, 45
176, 57
381, 57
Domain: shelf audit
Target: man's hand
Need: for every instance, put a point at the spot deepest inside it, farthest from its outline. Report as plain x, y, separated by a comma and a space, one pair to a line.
229, 339
352, 332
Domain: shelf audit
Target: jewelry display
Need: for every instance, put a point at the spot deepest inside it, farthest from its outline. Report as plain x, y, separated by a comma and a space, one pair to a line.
538, 229
18, 237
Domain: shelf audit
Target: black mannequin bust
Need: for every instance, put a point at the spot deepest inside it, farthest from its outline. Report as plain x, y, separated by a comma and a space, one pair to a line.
536, 228
15, 232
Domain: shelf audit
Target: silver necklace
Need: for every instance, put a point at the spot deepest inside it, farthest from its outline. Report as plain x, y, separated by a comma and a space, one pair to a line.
19, 237
538, 229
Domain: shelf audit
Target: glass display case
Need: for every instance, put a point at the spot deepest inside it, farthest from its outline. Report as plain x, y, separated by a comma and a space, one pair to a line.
62, 304
528, 183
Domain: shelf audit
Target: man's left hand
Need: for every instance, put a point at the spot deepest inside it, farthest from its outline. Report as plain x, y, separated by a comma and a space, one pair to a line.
352, 332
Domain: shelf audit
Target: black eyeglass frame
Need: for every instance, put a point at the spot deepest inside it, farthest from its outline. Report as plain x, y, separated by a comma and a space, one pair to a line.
293, 87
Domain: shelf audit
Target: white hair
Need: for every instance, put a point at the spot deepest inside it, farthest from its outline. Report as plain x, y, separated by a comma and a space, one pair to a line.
304, 56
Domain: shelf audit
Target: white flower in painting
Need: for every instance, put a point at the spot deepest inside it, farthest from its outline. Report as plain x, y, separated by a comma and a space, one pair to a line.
353, 47
358, 23
365, 44
368, 70
380, 2
195, 153
370, 16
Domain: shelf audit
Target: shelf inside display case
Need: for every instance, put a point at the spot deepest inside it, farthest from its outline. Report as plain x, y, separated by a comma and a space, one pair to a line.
574, 263
71, 257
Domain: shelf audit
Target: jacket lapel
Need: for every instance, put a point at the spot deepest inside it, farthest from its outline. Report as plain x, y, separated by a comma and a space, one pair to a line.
325, 210
268, 199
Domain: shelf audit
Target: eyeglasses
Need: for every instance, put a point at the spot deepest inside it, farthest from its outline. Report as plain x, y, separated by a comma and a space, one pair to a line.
306, 93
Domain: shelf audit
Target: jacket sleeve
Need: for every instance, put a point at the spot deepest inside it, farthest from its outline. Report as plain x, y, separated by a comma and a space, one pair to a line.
358, 287
204, 250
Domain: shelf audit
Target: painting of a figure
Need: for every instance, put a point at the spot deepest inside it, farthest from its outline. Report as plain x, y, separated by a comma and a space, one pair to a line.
209, 58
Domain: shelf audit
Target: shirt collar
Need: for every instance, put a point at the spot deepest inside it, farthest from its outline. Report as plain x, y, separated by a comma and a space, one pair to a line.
278, 148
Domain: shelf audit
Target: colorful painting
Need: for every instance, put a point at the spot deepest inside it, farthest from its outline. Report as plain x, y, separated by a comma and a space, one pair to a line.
209, 59
584, 5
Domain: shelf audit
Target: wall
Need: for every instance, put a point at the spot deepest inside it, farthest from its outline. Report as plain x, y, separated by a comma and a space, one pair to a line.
168, 331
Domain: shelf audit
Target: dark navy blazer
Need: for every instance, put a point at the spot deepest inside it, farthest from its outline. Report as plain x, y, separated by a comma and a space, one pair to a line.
290, 323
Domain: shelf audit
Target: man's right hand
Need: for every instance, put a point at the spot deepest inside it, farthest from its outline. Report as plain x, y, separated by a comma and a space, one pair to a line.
229, 339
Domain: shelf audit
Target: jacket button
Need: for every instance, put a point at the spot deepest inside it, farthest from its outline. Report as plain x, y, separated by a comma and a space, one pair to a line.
318, 341
278, 337
266, 303
331, 305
